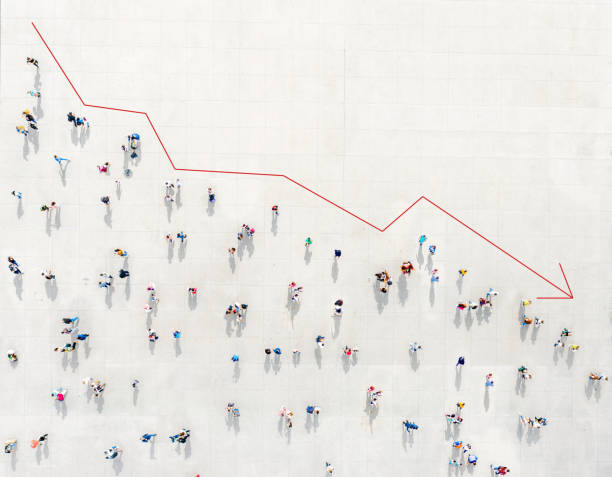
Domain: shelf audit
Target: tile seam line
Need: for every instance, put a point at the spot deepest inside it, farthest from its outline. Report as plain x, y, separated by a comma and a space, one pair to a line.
566, 294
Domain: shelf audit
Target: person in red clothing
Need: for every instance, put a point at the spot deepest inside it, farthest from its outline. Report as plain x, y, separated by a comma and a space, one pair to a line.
500, 470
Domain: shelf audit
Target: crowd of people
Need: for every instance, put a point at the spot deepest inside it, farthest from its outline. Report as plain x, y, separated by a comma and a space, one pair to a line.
462, 453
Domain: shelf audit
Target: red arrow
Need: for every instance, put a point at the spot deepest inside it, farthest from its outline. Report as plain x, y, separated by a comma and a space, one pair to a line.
567, 296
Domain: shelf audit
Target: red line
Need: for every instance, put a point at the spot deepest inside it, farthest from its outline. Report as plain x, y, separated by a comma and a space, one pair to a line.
567, 295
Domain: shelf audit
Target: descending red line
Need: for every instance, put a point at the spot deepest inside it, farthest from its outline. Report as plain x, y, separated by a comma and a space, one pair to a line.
566, 294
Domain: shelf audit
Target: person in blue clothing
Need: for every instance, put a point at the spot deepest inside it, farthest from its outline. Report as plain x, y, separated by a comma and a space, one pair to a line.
410, 425
82, 336
277, 351
422, 239
147, 437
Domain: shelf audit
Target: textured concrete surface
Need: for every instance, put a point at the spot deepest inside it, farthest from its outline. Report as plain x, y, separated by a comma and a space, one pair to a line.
498, 112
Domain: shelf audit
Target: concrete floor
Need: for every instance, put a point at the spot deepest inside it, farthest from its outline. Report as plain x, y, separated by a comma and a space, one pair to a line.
499, 113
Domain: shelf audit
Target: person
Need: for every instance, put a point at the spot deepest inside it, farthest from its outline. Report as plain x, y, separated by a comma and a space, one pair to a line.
338, 307
329, 468
462, 272
22, 130
153, 336
434, 275
231, 250
454, 418
59, 394
277, 351
68, 347
182, 436
32, 61
597, 377
460, 406
182, 236
320, 340
414, 347
235, 358
123, 273
120, 252
10, 446
472, 459
489, 380
48, 274
104, 167
107, 280
16, 194
432, 250
409, 426
526, 302
275, 209
308, 242
60, 159
574, 348
112, 453
192, 291
211, 196
12, 355
34, 92
500, 469
524, 372
34, 443
337, 253
105, 200
147, 437
71, 118
82, 336
422, 239
406, 268
176, 334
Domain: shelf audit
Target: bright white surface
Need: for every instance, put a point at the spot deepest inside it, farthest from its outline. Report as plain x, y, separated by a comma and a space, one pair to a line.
499, 112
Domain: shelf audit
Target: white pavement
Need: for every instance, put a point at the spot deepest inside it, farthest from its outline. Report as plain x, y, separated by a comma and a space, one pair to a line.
498, 112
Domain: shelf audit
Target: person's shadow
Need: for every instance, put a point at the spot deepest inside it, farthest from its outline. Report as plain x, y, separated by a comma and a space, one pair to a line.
459, 283
307, 255
18, 282
274, 228
26, 148
118, 464
51, 289
108, 217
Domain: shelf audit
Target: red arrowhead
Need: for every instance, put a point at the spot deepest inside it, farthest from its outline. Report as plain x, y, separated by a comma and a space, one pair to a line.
568, 296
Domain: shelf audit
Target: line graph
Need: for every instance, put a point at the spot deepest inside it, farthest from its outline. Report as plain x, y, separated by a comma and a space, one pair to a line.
566, 294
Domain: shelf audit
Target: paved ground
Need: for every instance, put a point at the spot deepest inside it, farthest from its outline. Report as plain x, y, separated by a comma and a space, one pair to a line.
499, 113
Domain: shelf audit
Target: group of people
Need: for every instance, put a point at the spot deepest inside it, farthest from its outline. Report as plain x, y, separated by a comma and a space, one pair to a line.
238, 311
